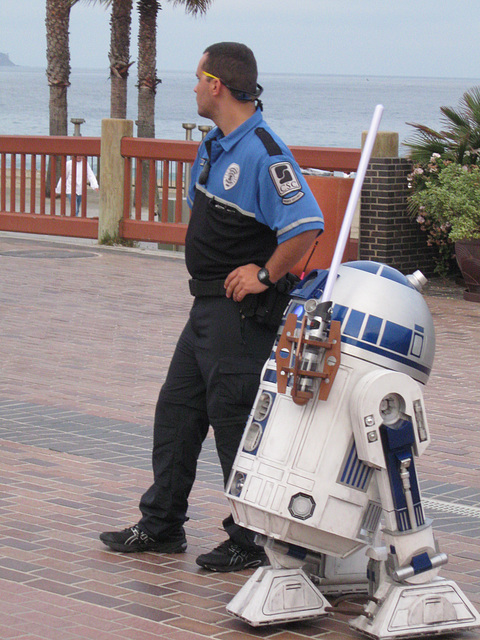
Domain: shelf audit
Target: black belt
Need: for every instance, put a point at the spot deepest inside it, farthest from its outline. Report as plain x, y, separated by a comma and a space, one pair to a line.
199, 288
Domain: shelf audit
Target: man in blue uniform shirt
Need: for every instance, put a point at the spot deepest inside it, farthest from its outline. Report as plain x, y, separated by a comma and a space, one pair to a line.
253, 218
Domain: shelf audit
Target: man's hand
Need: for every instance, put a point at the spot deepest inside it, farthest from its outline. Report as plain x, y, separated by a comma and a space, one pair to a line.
242, 281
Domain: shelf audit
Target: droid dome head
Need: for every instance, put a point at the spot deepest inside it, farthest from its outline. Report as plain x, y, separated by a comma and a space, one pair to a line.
384, 317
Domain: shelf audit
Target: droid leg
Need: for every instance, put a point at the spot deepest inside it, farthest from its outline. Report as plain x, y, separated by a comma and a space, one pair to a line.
408, 597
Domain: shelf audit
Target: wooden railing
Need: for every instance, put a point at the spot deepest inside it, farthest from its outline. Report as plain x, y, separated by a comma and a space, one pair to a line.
30, 167
158, 212
155, 208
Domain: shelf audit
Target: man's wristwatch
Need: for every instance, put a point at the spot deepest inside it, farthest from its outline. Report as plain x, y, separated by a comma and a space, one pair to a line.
264, 277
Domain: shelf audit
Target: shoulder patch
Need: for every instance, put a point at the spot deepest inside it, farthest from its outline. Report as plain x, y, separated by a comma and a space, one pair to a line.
284, 178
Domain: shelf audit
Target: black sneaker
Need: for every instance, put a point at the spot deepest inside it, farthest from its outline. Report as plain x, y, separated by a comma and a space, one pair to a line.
134, 540
229, 556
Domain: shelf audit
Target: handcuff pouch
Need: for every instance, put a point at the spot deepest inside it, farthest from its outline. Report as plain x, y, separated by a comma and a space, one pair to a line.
268, 306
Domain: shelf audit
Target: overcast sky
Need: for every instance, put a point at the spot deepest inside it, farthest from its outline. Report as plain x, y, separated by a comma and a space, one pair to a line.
437, 38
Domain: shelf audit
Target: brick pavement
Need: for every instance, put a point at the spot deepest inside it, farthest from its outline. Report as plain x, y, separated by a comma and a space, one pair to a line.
86, 336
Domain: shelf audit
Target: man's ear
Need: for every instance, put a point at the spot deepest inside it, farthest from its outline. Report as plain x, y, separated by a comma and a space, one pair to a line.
216, 86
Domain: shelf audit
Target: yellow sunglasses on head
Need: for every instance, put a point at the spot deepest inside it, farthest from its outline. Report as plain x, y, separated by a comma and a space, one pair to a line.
209, 75
240, 94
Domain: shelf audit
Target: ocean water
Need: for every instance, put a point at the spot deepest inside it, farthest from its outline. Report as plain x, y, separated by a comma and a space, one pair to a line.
311, 110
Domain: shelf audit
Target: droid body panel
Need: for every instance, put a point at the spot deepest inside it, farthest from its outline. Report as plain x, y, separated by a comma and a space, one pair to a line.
301, 476
329, 452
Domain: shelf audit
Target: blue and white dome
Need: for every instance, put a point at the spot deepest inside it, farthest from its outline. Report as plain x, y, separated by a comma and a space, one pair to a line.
385, 319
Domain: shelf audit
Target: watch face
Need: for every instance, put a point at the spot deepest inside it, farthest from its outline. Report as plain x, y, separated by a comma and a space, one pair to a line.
263, 276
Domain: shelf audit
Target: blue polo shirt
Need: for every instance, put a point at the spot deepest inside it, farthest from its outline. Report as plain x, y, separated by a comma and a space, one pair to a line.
254, 197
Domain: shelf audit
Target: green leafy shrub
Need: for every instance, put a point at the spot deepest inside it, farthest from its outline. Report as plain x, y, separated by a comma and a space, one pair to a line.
445, 181
450, 202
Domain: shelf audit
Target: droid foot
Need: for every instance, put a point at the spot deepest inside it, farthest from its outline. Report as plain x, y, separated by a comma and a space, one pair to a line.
273, 596
407, 611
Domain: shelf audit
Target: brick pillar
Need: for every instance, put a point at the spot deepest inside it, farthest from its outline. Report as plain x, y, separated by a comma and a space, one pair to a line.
387, 233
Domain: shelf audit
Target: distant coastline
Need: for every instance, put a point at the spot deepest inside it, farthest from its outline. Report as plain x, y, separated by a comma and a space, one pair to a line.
5, 60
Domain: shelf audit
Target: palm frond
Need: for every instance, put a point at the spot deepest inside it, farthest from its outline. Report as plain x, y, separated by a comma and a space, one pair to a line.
471, 104
423, 142
460, 132
455, 118
424, 130
106, 3
194, 7
421, 151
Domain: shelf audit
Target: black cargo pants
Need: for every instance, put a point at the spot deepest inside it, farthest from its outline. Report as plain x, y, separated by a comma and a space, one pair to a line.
212, 380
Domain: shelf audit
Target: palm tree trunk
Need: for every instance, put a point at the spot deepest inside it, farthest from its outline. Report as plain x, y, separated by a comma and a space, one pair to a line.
58, 109
147, 76
58, 69
147, 66
119, 56
58, 63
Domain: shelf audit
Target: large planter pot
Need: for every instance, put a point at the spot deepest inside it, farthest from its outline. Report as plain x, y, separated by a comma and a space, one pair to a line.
467, 253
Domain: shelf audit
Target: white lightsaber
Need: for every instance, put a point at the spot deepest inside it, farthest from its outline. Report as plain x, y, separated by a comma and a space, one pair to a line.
352, 202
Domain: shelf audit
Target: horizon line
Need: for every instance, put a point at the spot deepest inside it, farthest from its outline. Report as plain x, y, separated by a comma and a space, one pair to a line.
278, 73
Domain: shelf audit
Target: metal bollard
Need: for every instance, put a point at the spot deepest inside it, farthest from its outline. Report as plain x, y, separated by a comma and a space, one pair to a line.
189, 127
76, 124
204, 128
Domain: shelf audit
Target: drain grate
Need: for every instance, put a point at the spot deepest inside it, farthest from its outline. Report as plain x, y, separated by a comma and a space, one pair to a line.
451, 507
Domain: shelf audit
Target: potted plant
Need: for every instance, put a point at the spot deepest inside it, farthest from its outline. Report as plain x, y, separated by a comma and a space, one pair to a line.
445, 189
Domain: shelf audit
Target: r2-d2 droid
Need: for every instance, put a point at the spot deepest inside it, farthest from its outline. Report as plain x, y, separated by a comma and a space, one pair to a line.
325, 473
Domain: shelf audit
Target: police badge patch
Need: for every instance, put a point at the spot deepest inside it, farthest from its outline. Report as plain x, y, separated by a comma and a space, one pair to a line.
231, 176
284, 178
